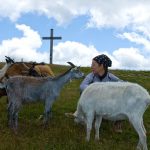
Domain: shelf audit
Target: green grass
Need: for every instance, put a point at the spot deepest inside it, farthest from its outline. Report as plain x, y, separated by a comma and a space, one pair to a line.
62, 133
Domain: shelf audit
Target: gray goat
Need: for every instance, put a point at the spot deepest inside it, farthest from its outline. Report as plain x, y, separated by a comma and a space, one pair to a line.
22, 89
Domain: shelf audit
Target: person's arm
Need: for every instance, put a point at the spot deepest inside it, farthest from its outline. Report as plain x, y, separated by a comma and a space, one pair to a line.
87, 80
114, 78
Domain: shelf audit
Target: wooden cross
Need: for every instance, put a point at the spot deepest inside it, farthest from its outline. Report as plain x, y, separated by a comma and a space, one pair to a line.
51, 38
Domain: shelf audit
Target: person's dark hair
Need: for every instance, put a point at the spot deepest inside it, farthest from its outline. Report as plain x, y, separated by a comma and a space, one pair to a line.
103, 59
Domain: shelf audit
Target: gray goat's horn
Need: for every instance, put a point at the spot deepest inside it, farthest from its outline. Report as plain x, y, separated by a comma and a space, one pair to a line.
71, 64
9, 59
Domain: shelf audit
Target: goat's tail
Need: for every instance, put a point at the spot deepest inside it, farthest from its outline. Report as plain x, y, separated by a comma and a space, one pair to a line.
148, 101
9, 111
2, 86
3, 81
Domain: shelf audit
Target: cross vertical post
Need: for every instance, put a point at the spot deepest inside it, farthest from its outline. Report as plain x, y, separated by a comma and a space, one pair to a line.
51, 47
51, 38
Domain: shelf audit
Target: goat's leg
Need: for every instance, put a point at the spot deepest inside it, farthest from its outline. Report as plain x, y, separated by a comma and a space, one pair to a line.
89, 121
18, 105
14, 115
10, 115
98, 121
15, 122
143, 126
48, 105
10, 119
137, 123
45, 120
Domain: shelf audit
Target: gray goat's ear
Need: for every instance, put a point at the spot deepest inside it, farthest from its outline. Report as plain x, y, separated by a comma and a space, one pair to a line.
71, 64
77, 68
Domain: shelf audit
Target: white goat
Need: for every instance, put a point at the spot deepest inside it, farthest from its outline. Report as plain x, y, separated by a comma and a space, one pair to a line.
9, 62
113, 101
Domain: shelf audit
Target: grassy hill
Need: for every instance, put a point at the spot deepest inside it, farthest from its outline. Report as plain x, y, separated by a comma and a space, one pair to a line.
62, 133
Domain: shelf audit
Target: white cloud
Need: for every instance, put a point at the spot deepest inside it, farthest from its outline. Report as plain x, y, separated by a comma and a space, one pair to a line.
62, 11
126, 14
131, 58
80, 54
75, 52
117, 14
137, 38
25, 47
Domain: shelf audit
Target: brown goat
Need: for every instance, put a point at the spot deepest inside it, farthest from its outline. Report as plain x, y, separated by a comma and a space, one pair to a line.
22, 68
44, 70
18, 69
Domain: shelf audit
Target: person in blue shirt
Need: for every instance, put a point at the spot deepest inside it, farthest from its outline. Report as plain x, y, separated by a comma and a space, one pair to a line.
100, 73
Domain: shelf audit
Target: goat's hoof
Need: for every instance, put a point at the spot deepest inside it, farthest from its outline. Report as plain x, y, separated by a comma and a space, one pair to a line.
138, 148
15, 131
40, 117
87, 139
45, 125
118, 130
69, 115
96, 138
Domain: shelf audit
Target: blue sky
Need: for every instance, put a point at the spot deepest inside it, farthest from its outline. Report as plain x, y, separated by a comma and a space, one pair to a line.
88, 28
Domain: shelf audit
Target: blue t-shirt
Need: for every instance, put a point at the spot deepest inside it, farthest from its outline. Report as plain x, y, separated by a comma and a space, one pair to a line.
91, 77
